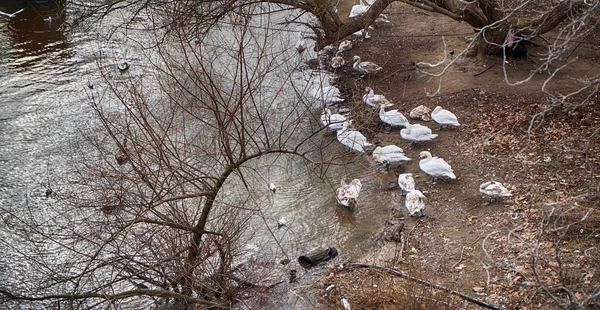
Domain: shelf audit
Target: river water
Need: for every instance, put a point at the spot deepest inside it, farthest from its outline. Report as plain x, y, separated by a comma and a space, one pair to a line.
46, 118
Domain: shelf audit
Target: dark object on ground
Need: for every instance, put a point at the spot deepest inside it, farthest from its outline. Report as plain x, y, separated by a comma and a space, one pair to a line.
393, 230
316, 257
516, 45
293, 275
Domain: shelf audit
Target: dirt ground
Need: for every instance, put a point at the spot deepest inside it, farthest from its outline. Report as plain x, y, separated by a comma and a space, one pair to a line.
484, 251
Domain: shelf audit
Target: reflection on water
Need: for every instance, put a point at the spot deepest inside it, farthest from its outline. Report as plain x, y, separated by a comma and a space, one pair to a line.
43, 109
307, 202
36, 31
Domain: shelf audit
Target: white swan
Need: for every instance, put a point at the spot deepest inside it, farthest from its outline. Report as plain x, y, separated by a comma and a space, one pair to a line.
494, 190
328, 94
435, 166
333, 122
282, 222
421, 112
337, 61
392, 117
414, 202
348, 194
345, 45
382, 19
444, 117
365, 67
272, 187
358, 9
352, 138
416, 133
406, 182
362, 34
389, 154
375, 101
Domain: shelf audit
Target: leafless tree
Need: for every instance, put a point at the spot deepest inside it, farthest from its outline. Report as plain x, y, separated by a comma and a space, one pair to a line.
161, 211
492, 19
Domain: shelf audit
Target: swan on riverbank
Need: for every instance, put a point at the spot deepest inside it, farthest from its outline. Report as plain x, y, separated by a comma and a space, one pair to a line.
416, 133
421, 112
389, 154
337, 61
435, 167
375, 101
392, 117
406, 182
345, 45
358, 9
327, 94
444, 117
353, 139
365, 67
494, 190
333, 122
414, 202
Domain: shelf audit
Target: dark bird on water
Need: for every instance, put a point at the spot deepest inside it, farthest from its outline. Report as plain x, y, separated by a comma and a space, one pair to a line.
124, 66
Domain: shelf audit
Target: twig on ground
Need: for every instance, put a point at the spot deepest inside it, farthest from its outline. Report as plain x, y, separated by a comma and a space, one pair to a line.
483, 245
461, 252
484, 70
486, 268
436, 286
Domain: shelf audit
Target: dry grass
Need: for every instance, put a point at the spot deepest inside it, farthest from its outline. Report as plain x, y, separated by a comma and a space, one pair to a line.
368, 288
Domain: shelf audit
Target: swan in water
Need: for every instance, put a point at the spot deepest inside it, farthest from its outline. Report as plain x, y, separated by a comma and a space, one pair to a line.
421, 112
435, 167
348, 194
337, 61
375, 101
392, 117
328, 94
414, 202
333, 122
406, 182
416, 133
494, 190
282, 222
352, 138
444, 117
389, 154
365, 67
124, 66
272, 187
